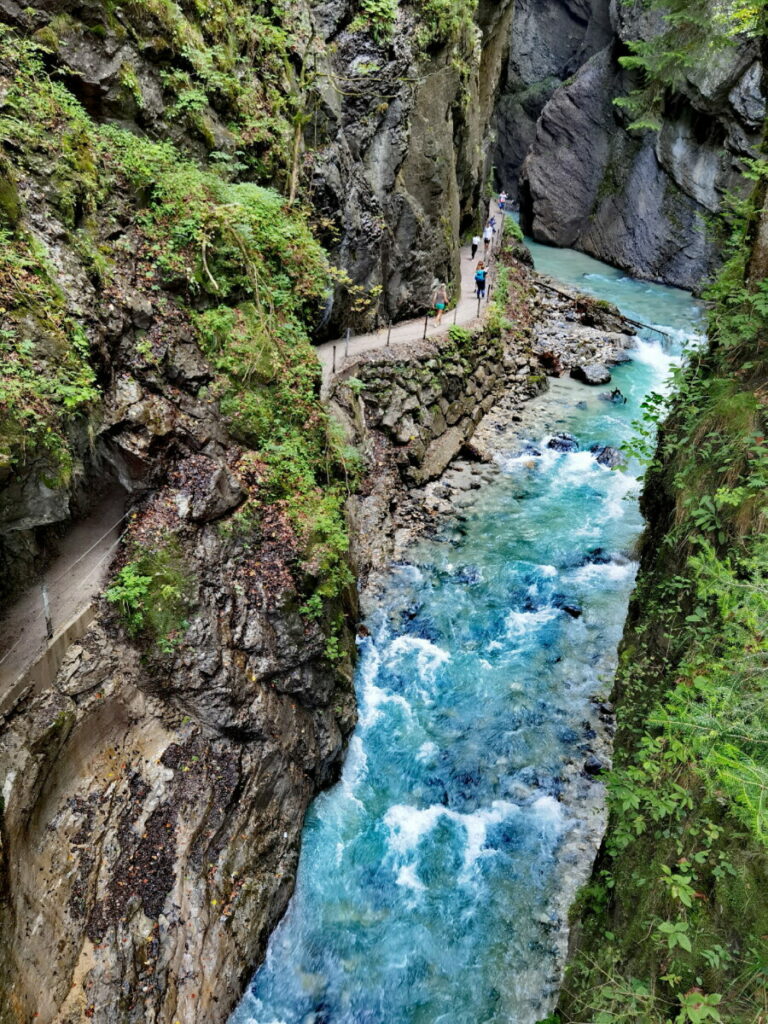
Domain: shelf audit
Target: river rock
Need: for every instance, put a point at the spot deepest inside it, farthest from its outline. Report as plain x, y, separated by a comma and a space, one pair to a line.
573, 610
563, 443
593, 765
606, 455
594, 374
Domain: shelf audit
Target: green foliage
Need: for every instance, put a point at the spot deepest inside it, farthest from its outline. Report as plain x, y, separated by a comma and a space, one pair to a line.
234, 257
695, 34
152, 595
378, 17
213, 50
512, 228
460, 335
686, 857
443, 22
47, 380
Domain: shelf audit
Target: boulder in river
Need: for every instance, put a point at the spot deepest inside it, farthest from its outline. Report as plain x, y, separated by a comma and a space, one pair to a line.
606, 455
593, 374
573, 610
563, 443
593, 765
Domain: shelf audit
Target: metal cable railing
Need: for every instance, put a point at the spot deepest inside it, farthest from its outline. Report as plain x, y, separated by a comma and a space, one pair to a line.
43, 616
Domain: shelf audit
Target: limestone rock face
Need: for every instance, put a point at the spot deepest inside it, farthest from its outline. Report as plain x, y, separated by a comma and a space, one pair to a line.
551, 40
636, 200
152, 808
399, 156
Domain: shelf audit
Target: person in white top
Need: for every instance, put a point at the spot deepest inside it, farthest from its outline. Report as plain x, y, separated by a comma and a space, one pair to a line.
487, 237
475, 245
502, 201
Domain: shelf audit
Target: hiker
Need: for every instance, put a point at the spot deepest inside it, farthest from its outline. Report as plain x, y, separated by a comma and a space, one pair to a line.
492, 222
440, 301
480, 273
487, 238
475, 244
502, 200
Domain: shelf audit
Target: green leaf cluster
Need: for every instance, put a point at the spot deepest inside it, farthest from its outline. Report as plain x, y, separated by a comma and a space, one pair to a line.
153, 593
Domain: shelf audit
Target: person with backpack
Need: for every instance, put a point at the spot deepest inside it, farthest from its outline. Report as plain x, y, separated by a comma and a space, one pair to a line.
480, 275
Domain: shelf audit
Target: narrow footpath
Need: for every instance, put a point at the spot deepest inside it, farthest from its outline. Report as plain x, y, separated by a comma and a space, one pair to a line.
464, 315
73, 579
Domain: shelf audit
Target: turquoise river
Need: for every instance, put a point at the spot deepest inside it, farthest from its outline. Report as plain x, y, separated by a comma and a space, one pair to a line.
429, 875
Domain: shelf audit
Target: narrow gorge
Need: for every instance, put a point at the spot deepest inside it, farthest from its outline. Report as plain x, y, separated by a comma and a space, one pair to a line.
417, 683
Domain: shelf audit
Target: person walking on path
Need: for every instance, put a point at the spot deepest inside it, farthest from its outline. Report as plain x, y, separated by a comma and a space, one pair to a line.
440, 302
475, 245
480, 275
502, 201
487, 238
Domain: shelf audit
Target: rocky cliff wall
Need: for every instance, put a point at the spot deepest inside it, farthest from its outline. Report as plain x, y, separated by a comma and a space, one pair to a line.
377, 127
637, 199
683, 873
397, 152
550, 41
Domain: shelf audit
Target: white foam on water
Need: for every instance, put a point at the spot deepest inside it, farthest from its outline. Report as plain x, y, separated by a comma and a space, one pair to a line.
621, 486
355, 768
426, 751
526, 461
548, 571
548, 811
520, 625
577, 466
373, 699
408, 879
613, 572
429, 657
409, 825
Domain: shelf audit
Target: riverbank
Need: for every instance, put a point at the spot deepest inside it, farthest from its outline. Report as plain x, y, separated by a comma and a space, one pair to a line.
424, 414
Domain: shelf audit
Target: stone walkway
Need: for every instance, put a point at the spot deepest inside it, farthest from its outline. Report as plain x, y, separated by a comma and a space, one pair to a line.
465, 315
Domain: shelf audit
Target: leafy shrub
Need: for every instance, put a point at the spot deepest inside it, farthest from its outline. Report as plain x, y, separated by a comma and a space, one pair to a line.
511, 227
444, 21
379, 17
460, 335
152, 595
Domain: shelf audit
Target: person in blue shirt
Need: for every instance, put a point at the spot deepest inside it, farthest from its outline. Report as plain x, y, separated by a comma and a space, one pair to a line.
480, 275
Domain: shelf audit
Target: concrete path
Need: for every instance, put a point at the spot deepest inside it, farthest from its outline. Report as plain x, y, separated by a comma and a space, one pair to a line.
73, 578
465, 314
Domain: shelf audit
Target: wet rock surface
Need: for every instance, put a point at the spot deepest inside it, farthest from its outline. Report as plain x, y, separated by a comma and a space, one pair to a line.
593, 374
